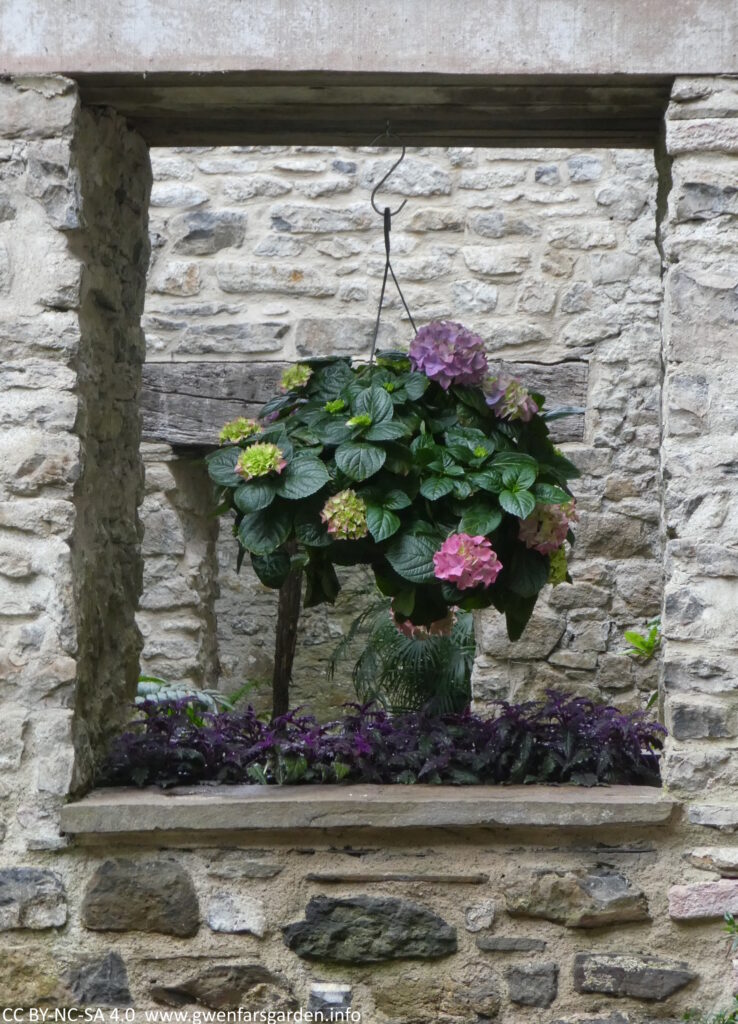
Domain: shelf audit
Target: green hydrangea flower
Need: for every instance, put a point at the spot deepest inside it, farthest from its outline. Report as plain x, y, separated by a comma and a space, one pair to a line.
557, 567
295, 376
337, 405
260, 460
345, 516
238, 430
362, 420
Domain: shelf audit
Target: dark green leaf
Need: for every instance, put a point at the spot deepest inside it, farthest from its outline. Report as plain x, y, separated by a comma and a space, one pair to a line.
404, 602
254, 495
382, 522
272, 569
487, 480
517, 503
551, 495
518, 478
527, 572
395, 499
518, 611
328, 382
513, 460
411, 556
416, 384
462, 489
360, 461
221, 466
304, 475
435, 487
480, 517
264, 531
309, 529
334, 430
374, 402
387, 431
321, 584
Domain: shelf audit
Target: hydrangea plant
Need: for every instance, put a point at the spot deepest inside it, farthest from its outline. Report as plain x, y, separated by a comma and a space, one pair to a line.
426, 466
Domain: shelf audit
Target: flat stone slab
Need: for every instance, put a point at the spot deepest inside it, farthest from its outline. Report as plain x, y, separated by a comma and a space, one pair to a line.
703, 900
213, 809
720, 816
723, 859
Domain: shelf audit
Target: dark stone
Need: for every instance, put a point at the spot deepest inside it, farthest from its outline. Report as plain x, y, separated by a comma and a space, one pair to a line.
690, 721
547, 174
7, 210
204, 232
144, 896
533, 984
31, 898
364, 929
344, 166
227, 987
701, 201
649, 978
509, 944
612, 1018
577, 899
101, 983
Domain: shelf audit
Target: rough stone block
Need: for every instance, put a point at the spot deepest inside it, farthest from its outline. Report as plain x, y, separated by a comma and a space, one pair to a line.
699, 720
12, 728
176, 194
101, 982
723, 859
225, 987
501, 261
205, 232
412, 178
243, 278
703, 900
145, 896
533, 984
479, 916
583, 167
471, 296
331, 999
227, 912
647, 978
345, 336
578, 899
31, 898
509, 944
321, 220
365, 929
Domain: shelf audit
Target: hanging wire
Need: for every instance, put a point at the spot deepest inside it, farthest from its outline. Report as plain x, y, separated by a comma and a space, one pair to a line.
387, 214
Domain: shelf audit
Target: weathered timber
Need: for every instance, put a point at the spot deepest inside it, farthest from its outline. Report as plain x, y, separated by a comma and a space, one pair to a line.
186, 404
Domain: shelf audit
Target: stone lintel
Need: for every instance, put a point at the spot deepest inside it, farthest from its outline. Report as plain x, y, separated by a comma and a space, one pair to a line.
216, 810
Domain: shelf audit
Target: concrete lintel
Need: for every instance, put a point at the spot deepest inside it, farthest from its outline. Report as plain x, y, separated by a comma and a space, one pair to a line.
214, 810
522, 37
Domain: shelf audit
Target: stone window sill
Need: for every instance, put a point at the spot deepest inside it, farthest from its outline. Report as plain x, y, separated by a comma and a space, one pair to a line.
210, 814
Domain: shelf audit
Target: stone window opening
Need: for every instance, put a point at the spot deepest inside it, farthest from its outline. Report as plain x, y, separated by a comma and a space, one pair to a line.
266, 255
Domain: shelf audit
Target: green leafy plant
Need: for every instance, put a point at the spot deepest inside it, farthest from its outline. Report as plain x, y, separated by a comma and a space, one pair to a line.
438, 476
731, 928
644, 646
405, 670
729, 1016
153, 688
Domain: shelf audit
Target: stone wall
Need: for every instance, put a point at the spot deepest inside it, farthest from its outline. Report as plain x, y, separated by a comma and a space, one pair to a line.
74, 190
701, 435
275, 253
608, 925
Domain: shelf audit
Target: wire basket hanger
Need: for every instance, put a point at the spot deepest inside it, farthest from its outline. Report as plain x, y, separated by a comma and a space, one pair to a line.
387, 214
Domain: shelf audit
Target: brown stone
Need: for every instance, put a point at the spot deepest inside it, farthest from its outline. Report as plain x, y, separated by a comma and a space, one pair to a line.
577, 899
145, 896
228, 986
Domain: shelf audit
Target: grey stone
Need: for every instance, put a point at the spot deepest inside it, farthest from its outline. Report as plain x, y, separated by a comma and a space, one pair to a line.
701, 201
436, 219
699, 720
146, 896
498, 262
228, 987
479, 916
168, 194
496, 224
577, 899
258, 185
101, 983
228, 865
471, 296
344, 166
547, 174
228, 912
31, 898
484, 181
7, 209
345, 336
612, 1018
325, 187
245, 278
207, 231
278, 245
233, 338
533, 984
584, 168
6, 272
723, 859
412, 178
365, 929
321, 220
509, 944
648, 978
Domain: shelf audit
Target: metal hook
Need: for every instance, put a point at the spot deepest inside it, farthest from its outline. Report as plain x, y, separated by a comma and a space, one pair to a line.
388, 135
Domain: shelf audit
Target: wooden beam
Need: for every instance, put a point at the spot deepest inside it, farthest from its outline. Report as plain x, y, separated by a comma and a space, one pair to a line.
185, 404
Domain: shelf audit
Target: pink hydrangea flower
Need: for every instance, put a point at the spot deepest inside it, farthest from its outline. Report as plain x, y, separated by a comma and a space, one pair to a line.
441, 627
467, 561
509, 399
546, 527
449, 354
